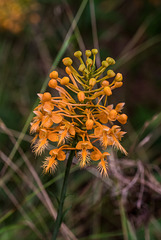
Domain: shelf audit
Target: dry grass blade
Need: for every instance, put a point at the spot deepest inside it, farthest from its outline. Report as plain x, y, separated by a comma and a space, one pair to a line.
14, 133
137, 50
43, 50
76, 30
139, 33
24, 214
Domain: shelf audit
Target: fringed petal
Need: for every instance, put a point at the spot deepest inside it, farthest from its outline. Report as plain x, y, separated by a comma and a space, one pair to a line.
103, 167
84, 157
50, 165
40, 146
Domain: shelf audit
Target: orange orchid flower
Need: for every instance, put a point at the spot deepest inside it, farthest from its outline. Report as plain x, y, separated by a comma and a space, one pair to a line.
84, 155
51, 163
84, 114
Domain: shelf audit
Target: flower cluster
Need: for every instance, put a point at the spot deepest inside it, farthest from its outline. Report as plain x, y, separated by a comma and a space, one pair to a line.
14, 14
80, 114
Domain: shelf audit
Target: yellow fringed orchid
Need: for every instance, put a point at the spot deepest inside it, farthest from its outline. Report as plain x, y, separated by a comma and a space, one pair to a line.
80, 113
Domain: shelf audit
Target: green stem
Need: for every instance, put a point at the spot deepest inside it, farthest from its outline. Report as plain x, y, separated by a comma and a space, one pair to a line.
62, 196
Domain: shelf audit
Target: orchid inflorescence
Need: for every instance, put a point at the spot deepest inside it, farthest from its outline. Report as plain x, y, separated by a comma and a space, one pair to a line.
79, 114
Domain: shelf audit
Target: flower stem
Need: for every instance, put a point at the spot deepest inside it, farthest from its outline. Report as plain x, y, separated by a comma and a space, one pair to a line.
62, 196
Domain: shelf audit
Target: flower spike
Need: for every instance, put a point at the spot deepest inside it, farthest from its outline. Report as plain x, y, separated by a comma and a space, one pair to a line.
83, 116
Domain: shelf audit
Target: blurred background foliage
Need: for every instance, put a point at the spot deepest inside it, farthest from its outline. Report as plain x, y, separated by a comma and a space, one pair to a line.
32, 35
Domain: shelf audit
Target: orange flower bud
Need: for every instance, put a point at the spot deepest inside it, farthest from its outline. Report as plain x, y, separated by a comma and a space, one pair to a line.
107, 91
54, 74
113, 115
92, 82
105, 83
64, 81
68, 71
89, 124
67, 61
46, 97
118, 84
118, 77
52, 83
81, 96
122, 118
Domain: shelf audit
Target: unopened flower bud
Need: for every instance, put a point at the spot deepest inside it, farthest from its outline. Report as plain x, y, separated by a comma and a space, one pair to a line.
92, 82
105, 64
46, 97
113, 115
89, 124
68, 71
118, 84
78, 54
54, 74
122, 118
64, 81
88, 53
105, 83
111, 73
107, 91
81, 68
67, 61
81, 96
52, 83
118, 77
110, 61
94, 51
89, 61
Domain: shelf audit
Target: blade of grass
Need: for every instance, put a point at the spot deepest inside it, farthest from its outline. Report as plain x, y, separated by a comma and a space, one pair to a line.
76, 30
139, 33
103, 236
11, 228
131, 232
94, 32
8, 214
123, 219
29, 184
22, 211
137, 50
